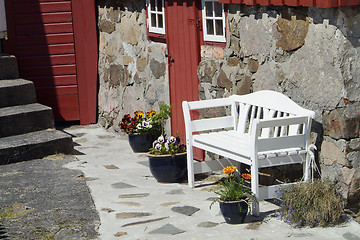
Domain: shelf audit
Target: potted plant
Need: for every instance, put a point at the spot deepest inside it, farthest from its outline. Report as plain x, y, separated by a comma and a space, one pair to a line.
167, 160
144, 128
234, 196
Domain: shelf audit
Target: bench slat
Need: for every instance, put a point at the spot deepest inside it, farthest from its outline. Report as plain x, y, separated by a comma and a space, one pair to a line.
212, 123
268, 144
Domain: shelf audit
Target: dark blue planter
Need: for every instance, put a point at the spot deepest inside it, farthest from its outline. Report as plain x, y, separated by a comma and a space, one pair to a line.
142, 142
167, 168
234, 212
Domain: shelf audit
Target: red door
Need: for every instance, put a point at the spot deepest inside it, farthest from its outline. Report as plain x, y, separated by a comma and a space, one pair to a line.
55, 44
183, 45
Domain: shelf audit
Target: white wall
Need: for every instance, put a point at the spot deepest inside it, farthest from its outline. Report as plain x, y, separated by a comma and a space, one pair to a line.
2, 19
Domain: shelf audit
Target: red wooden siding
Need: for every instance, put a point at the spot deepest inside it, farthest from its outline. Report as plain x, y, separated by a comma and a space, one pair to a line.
295, 3
46, 36
182, 37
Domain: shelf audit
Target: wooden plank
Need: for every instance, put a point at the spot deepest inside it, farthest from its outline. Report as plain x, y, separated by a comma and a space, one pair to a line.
293, 3
84, 21
54, 80
307, 3
269, 144
263, 2
45, 39
46, 60
43, 18
58, 90
43, 7
48, 70
212, 123
46, 50
30, 30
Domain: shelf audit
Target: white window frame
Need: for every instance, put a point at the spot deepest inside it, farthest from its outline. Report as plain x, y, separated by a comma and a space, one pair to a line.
157, 29
214, 37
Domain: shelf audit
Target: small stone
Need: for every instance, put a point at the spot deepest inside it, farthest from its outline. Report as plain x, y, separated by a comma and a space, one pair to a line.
119, 234
167, 229
175, 192
169, 204
136, 195
143, 222
218, 53
253, 65
91, 178
106, 136
131, 204
253, 225
186, 210
109, 210
141, 64
126, 215
120, 185
350, 236
111, 167
207, 224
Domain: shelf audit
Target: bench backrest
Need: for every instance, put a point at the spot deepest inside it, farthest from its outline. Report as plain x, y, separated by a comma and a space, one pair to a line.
267, 105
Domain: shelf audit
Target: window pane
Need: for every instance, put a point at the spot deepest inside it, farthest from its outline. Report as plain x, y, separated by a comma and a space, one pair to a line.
159, 5
210, 27
218, 9
219, 27
209, 9
153, 20
160, 21
152, 5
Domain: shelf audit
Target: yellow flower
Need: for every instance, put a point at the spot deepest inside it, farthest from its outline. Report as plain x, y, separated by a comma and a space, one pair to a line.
229, 170
151, 113
139, 114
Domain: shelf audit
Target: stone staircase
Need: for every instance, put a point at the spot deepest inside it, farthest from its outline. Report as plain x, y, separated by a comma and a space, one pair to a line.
26, 127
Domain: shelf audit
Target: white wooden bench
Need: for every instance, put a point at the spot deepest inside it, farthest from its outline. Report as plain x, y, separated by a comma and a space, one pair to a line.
264, 129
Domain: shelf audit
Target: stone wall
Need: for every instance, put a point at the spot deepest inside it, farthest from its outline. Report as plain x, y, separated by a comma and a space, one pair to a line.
132, 70
310, 54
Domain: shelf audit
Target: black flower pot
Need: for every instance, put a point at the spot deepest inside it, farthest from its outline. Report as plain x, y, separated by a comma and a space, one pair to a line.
234, 212
142, 142
168, 168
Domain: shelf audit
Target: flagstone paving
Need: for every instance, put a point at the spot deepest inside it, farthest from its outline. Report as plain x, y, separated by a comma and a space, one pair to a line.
133, 205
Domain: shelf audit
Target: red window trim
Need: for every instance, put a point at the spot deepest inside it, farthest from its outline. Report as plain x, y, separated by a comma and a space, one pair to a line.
155, 37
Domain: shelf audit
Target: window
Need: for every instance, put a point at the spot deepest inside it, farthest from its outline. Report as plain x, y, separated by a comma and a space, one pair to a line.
213, 21
156, 16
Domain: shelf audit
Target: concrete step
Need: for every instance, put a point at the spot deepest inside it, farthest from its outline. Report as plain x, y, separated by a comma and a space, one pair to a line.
8, 67
16, 92
22, 119
34, 145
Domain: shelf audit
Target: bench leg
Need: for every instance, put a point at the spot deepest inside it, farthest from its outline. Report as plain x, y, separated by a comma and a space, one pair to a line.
255, 189
190, 167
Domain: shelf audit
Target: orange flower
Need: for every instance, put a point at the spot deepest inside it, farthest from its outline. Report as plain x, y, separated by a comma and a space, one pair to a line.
229, 170
246, 176
139, 114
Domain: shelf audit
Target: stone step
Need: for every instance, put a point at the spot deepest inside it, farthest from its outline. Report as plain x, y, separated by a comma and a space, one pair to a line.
8, 67
16, 92
22, 119
34, 145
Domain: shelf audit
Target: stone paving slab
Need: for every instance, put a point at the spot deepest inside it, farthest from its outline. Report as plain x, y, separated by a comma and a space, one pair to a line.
147, 207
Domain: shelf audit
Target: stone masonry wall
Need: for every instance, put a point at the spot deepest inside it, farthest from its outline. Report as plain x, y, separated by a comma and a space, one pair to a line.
132, 70
313, 56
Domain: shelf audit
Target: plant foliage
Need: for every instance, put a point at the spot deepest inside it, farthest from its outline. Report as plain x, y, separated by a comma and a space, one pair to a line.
232, 188
148, 122
313, 204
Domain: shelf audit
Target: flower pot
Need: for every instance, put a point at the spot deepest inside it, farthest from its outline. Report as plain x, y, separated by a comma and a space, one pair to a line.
168, 168
142, 142
234, 212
